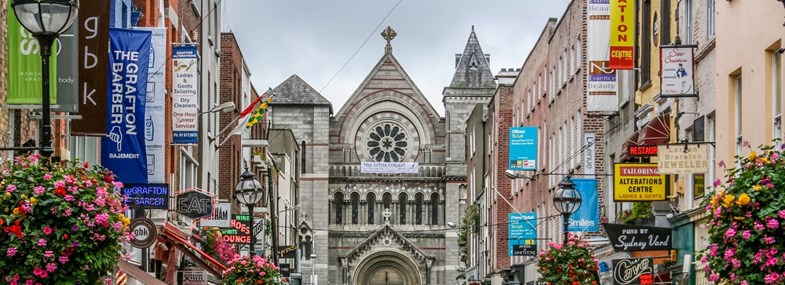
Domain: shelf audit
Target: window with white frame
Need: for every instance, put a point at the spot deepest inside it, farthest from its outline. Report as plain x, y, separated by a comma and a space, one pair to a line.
710, 18
551, 78
737, 94
540, 132
578, 57
688, 22
776, 94
574, 142
551, 159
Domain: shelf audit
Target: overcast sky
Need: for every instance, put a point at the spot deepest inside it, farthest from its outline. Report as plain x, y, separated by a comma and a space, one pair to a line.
313, 39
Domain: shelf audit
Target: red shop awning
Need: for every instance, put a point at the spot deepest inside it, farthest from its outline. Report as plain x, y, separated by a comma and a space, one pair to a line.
173, 235
656, 132
625, 147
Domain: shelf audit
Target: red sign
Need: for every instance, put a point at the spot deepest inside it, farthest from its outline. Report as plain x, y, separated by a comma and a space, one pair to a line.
238, 231
643, 150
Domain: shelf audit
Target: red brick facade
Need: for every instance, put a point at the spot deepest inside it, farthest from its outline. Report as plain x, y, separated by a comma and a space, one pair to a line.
501, 113
231, 90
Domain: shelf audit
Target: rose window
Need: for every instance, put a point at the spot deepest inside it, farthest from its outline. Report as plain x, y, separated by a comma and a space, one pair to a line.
387, 143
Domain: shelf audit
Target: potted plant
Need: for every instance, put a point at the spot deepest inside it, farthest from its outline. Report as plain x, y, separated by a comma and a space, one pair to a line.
59, 224
571, 263
251, 271
747, 221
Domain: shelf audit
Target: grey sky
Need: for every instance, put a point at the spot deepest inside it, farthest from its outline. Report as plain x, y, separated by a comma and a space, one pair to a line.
313, 39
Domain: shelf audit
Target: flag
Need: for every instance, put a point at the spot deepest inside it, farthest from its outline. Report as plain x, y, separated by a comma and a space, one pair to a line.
247, 114
257, 115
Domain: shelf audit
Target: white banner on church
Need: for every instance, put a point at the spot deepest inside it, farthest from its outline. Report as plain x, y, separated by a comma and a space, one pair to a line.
390, 167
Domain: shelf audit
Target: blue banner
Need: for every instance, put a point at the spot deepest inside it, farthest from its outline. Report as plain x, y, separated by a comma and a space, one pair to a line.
587, 218
123, 148
147, 196
523, 148
522, 234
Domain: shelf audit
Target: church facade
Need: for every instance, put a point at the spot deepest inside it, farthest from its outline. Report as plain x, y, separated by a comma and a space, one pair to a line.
363, 226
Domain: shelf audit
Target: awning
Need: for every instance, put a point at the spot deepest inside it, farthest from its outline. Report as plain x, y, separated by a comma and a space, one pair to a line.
138, 274
204, 260
656, 132
625, 147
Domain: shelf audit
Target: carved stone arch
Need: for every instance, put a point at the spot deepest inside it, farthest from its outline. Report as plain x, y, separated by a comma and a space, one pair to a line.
389, 101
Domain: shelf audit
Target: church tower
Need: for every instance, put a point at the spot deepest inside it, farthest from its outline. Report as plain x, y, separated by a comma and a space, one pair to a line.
473, 83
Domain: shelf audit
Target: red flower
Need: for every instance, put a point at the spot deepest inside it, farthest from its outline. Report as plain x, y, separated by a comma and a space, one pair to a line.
60, 191
15, 229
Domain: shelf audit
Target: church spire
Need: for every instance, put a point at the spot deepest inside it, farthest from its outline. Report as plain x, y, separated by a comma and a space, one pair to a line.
472, 67
388, 34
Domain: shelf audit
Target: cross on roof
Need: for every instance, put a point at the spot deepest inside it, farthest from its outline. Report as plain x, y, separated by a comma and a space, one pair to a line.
388, 34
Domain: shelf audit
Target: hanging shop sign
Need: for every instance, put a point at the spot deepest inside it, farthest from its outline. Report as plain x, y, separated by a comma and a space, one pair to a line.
637, 182
238, 231
622, 38
642, 150
24, 64
185, 94
220, 217
683, 158
93, 23
288, 251
147, 196
389, 167
677, 71
633, 271
285, 269
587, 217
155, 106
601, 84
194, 204
625, 238
523, 149
144, 231
589, 141
522, 233
194, 277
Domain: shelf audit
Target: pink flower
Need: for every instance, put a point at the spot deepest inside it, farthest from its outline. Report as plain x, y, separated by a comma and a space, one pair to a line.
38, 190
69, 198
39, 272
717, 182
63, 259
10, 252
772, 223
51, 267
47, 177
48, 254
758, 226
721, 163
41, 242
47, 230
10, 188
769, 240
730, 233
746, 234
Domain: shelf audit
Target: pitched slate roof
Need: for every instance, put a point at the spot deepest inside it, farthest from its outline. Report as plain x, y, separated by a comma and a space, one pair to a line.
472, 68
294, 90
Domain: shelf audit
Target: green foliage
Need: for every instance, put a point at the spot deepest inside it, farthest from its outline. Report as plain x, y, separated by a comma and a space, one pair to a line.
251, 271
747, 221
60, 224
471, 223
568, 264
639, 211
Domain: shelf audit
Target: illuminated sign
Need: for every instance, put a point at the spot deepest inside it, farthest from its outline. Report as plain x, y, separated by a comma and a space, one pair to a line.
641, 151
238, 231
147, 196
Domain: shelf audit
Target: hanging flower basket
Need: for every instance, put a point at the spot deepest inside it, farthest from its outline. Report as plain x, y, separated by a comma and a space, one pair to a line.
569, 264
251, 271
59, 224
747, 221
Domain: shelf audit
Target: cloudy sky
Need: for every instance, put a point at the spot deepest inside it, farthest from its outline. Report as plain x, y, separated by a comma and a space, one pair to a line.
314, 38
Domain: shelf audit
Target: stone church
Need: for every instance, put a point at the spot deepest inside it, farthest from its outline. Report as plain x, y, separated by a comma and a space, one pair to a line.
390, 228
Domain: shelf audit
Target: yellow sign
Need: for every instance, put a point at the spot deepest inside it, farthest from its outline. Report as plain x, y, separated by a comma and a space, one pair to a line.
622, 34
638, 182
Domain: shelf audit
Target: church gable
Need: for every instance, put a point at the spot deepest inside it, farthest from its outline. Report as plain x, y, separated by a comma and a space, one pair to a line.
387, 237
472, 67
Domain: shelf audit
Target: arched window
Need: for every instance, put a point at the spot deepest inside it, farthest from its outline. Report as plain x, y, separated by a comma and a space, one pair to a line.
355, 208
402, 200
418, 200
338, 208
434, 209
386, 200
371, 199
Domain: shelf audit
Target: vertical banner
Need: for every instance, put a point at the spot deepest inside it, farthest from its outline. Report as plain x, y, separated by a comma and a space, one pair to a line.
93, 24
677, 71
601, 85
587, 218
522, 234
589, 166
68, 70
24, 65
185, 95
622, 34
155, 107
523, 148
123, 148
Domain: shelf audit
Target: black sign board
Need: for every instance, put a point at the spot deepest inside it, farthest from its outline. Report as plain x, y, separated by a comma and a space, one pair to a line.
144, 231
147, 196
285, 269
194, 204
524, 250
626, 238
289, 251
642, 150
633, 271
238, 231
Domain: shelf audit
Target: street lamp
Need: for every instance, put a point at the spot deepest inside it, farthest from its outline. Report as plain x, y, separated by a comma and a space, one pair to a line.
249, 192
46, 20
567, 200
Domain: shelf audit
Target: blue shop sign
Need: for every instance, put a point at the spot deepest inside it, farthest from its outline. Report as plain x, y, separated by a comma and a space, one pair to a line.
147, 196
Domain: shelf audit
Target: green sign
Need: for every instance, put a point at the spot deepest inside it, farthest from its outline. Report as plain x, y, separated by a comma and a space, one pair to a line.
24, 65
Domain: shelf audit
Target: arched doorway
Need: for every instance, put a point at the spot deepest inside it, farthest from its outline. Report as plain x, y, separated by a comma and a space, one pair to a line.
387, 268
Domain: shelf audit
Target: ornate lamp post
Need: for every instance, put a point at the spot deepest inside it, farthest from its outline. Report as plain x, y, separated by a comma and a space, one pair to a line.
567, 200
46, 20
249, 192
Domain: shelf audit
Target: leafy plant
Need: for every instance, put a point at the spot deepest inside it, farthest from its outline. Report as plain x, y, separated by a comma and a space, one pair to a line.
60, 224
747, 222
571, 263
216, 247
639, 211
251, 271
471, 222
